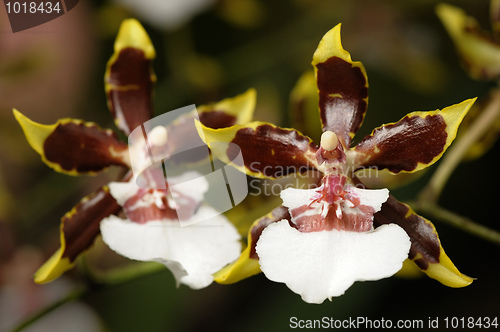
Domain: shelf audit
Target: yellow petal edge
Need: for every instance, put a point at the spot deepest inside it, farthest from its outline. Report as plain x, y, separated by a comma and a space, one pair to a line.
37, 133
453, 116
331, 46
132, 34
226, 135
56, 265
446, 272
479, 52
243, 268
53, 268
241, 106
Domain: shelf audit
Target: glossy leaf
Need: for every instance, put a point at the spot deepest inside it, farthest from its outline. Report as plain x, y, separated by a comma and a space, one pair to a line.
74, 147
129, 78
248, 263
416, 141
268, 151
79, 228
342, 86
426, 250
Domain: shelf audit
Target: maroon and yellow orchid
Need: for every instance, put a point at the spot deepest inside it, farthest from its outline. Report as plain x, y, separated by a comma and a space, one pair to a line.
76, 147
479, 52
478, 49
323, 239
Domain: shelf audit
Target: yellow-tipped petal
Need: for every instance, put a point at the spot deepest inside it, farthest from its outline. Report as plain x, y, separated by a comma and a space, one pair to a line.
268, 151
35, 133
446, 273
342, 86
413, 143
453, 116
248, 263
409, 270
480, 52
74, 147
242, 106
53, 268
243, 268
426, 250
132, 34
129, 78
330, 46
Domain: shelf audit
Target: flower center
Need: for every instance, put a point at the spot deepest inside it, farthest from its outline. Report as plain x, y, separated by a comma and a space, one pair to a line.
329, 141
331, 152
332, 195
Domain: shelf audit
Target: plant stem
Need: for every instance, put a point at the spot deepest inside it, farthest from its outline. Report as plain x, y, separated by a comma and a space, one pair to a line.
463, 223
456, 152
119, 276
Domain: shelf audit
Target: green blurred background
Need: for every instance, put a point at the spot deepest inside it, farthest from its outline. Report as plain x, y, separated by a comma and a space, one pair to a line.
223, 48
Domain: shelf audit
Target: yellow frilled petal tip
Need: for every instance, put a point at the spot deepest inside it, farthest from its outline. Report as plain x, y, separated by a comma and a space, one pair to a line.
446, 273
53, 268
132, 34
35, 133
243, 268
329, 46
453, 116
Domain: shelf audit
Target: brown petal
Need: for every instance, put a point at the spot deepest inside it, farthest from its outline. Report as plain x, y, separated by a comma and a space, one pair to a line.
79, 228
74, 147
268, 151
426, 250
413, 143
343, 87
129, 78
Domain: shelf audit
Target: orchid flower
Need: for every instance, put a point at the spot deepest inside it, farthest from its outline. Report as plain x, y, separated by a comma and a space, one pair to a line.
150, 231
478, 49
324, 239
